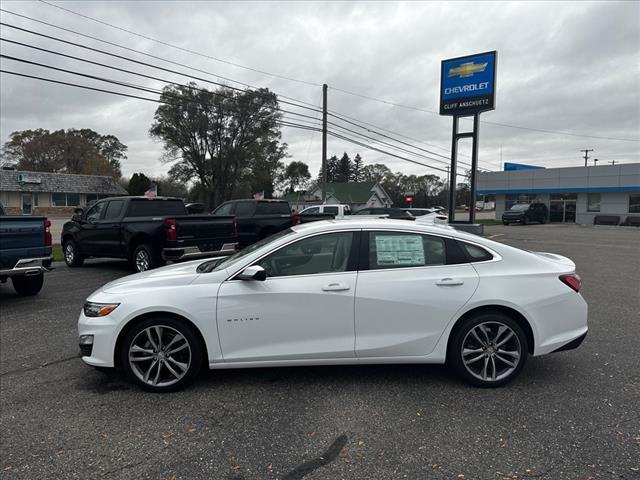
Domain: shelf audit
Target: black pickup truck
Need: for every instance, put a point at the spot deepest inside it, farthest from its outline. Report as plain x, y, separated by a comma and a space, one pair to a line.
25, 251
257, 219
147, 231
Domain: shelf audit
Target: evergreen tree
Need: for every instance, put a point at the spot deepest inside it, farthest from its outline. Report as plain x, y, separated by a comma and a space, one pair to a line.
356, 170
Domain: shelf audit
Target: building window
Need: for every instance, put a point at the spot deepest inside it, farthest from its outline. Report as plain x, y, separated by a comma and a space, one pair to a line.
564, 196
593, 202
634, 203
65, 199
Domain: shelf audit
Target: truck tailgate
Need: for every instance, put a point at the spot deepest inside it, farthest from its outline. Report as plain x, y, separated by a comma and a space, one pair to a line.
21, 237
207, 232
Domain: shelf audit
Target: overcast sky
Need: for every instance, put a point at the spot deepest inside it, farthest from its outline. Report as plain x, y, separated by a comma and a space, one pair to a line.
568, 67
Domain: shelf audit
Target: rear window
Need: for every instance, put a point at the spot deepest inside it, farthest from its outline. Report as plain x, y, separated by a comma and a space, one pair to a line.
331, 210
273, 208
156, 208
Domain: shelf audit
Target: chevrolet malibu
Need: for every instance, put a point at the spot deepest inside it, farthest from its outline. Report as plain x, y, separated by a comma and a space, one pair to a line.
359, 291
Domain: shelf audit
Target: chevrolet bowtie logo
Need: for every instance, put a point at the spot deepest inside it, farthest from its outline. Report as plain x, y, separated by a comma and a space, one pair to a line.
467, 69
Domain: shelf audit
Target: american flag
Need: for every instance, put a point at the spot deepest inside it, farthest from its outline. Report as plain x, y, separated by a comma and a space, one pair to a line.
152, 191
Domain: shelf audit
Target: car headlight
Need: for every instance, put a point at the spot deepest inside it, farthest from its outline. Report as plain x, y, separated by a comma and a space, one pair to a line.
99, 309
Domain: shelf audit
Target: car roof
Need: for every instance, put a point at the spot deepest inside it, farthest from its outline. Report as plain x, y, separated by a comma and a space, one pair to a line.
373, 223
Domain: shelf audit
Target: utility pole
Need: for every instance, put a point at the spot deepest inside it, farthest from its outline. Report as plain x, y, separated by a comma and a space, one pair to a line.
324, 143
586, 155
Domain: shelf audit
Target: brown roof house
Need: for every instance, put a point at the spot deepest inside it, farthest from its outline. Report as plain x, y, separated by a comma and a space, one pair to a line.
52, 194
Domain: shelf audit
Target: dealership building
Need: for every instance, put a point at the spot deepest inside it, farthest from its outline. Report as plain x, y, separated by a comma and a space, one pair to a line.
573, 194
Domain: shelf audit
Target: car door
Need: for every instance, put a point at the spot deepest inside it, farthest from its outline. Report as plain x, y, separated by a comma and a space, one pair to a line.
87, 236
408, 291
304, 308
108, 230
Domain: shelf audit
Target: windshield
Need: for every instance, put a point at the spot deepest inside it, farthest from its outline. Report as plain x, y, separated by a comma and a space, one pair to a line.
521, 207
220, 263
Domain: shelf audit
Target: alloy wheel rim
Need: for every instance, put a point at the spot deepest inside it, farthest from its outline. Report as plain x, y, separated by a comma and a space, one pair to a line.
160, 356
491, 351
142, 261
69, 253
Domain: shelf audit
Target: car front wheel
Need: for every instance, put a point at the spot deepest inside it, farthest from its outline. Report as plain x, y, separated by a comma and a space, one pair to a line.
489, 349
161, 354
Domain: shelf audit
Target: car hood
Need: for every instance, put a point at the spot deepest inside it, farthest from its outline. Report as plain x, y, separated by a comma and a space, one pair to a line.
175, 275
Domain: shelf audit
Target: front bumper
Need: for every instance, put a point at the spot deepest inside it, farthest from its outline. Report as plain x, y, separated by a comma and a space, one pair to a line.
28, 266
105, 332
193, 253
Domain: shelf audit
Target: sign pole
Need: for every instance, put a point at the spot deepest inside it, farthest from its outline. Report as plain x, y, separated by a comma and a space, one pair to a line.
452, 171
474, 167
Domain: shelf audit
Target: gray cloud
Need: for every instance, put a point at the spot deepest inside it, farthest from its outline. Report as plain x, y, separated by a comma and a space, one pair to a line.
571, 67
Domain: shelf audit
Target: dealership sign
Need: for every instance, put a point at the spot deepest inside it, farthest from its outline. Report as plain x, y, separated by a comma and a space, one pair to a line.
468, 84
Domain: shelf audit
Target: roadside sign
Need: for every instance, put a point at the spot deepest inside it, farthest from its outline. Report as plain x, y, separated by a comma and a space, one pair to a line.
468, 84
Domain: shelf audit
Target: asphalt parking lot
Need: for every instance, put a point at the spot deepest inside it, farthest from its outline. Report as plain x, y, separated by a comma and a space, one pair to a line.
570, 415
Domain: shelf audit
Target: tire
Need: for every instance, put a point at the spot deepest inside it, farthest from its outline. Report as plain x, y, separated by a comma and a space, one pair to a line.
525, 220
505, 223
144, 259
72, 256
485, 363
28, 285
153, 367
543, 220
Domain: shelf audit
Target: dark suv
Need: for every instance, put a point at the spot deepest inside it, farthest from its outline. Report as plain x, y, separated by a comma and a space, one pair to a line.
525, 213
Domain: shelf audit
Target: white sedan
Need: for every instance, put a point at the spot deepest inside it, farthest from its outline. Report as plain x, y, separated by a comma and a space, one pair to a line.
358, 291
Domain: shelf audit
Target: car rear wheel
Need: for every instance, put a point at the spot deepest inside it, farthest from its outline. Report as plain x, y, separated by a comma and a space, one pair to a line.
28, 285
72, 257
144, 258
161, 354
489, 349
505, 223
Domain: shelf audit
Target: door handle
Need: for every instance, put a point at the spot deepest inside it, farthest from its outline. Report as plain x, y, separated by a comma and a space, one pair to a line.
449, 282
335, 287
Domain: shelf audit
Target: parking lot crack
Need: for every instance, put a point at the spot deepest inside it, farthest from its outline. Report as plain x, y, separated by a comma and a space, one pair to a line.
38, 367
327, 457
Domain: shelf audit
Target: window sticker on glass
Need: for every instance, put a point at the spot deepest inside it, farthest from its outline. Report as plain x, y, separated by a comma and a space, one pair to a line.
405, 250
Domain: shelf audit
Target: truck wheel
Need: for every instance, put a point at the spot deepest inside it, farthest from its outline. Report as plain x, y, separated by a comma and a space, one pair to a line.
72, 257
28, 285
144, 258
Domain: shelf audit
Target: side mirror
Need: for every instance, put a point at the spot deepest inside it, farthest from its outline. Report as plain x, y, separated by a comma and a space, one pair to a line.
78, 211
76, 217
254, 272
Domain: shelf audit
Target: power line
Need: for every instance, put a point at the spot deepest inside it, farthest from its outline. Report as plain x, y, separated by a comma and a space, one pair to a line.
140, 52
104, 52
151, 77
263, 72
388, 102
356, 142
122, 94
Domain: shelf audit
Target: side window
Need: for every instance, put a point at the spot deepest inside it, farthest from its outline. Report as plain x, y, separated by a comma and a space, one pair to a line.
244, 209
224, 209
114, 209
311, 211
475, 253
320, 254
401, 250
331, 210
93, 215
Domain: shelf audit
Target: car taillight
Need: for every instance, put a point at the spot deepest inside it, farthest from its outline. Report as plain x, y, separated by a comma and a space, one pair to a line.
235, 228
572, 280
297, 219
172, 233
48, 241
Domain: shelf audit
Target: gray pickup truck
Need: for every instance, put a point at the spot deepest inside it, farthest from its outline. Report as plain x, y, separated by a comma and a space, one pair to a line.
25, 251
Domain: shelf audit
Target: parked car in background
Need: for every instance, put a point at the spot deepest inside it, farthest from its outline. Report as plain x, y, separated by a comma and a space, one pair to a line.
382, 212
147, 231
525, 213
25, 251
338, 211
354, 292
258, 219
